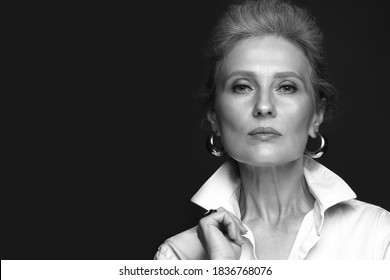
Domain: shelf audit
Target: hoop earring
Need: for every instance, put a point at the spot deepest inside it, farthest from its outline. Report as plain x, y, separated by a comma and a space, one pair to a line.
211, 147
321, 150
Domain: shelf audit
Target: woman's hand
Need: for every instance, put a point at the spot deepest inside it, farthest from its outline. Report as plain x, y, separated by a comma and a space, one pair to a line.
221, 235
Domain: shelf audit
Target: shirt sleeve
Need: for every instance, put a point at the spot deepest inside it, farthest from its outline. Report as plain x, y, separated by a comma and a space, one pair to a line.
165, 252
382, 237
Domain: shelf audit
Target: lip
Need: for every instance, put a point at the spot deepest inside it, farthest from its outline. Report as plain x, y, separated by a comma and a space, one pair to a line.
264, 133
264, 130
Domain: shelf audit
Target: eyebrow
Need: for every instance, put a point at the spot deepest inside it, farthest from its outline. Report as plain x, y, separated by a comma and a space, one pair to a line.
241, 73
277, 75
287, 74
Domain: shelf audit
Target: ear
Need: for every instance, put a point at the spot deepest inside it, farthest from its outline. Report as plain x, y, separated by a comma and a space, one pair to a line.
212, 117
316, 122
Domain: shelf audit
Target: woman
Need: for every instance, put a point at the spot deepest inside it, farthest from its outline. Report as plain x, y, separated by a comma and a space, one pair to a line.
271, 200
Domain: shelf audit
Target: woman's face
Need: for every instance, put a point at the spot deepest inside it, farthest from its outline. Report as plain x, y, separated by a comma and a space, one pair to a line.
264, 106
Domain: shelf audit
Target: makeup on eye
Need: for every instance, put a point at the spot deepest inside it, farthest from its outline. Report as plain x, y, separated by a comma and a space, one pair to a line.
241, 88
287, 88
244, 87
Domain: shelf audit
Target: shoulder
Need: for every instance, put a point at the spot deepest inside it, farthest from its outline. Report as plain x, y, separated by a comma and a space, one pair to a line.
362, 221
379, 217
359, 216
357, 229
360, 212
367, 210
379, 220
359, 209
183, 246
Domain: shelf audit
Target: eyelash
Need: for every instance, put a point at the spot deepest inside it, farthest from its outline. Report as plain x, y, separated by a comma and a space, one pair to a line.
293, 89
236, 90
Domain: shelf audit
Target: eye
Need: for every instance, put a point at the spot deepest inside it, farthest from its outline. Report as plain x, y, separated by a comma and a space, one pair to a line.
287, 89
241, 89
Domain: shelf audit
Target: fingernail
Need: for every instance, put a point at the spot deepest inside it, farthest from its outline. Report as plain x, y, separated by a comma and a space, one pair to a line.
240, 238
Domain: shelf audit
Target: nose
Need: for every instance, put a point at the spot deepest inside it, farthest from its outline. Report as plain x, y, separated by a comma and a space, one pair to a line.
264, 105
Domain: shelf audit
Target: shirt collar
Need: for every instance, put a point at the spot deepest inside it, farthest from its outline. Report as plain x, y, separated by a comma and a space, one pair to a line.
222, 188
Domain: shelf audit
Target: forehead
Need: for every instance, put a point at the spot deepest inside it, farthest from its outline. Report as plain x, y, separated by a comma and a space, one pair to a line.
266, 55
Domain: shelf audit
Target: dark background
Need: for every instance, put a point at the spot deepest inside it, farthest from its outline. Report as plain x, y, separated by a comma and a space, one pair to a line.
106, 148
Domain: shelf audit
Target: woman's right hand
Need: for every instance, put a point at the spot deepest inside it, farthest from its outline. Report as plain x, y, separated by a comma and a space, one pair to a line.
221, 235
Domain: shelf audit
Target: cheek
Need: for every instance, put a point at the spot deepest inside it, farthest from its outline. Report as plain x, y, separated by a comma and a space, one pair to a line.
299, 124
229, 116
233, 121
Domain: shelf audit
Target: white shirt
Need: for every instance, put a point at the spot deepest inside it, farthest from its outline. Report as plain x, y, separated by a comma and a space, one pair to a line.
338, 226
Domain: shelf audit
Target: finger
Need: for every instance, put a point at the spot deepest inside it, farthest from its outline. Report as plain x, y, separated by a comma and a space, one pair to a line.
233, 228
243, 229
241, 226
225, 222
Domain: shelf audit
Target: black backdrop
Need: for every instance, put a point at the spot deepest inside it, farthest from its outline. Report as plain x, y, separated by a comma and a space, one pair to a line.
112, 151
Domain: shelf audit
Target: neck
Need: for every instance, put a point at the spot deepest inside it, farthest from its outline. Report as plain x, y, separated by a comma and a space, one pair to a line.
275, 193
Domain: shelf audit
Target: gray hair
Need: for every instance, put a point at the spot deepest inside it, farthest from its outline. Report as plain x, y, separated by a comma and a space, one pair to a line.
281, 18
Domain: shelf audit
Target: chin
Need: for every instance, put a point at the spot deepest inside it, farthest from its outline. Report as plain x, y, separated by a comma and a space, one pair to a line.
267, 159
